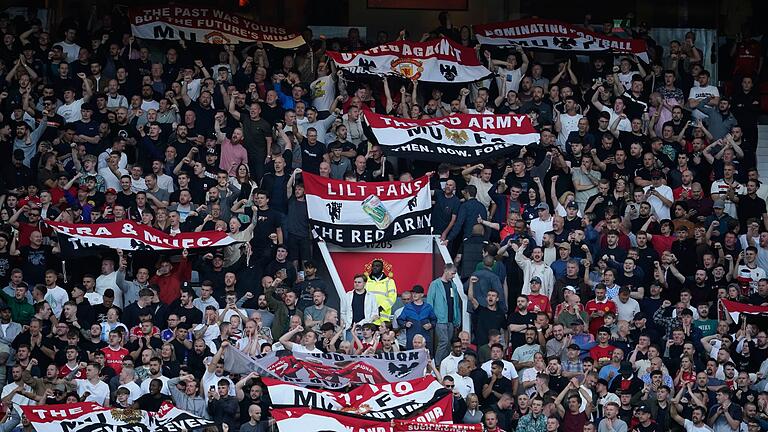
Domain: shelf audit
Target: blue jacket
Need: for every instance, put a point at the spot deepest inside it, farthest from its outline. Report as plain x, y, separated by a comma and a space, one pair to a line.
436, 298
467, 218
418, 315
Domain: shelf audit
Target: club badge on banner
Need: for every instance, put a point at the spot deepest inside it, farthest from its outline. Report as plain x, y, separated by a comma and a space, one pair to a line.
92, 417
358, 213
555, 35
457, 139
329, 370
206, 25
439, 60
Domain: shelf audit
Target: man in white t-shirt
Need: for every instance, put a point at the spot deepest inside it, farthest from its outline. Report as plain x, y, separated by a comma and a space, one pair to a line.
323, 89
214, 372
624, 124
21, 390
719, 189
567, 122
696, 423
155, 372
71, 109
308, 341
702, 91
508, 70
482, 182
509, 372
659, 195
92, 388
68, 45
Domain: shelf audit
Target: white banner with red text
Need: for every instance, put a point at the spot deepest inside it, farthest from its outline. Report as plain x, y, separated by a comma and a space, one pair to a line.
358, 213
313, 419
555, 35
457, 139
206, 25
130, 235
440, 60
329, 370
378, 401
92, 417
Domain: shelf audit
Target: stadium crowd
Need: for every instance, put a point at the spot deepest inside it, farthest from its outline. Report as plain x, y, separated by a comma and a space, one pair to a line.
593, 260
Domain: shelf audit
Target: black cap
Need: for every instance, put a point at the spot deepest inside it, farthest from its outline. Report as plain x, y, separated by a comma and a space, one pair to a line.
644, 408
573, 346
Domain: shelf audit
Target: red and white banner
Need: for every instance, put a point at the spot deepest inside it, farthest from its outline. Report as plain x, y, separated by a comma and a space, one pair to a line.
457, 139
439, 60
313, 419
130, 235
354, 214
735, 309
379, 401
206, 25
329, 370
92, 417
414, 426
555, 35
409, 261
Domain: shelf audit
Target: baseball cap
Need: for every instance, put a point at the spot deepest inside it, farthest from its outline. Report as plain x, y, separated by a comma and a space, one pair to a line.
111, 191
718, 204
536, 279
210, 151
644, 408
565, 245
577, 322
570, 288
573, 346
656, 174
542, 206
573, 205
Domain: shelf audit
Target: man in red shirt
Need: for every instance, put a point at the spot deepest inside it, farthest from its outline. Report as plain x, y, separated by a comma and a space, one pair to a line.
601, 352
597, 308
114, 352
538, 302
169, 278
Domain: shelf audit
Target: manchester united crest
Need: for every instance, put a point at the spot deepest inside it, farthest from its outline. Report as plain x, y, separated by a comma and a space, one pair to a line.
408, 68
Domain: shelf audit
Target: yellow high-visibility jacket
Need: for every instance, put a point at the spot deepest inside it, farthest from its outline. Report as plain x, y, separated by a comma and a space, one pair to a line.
385, 293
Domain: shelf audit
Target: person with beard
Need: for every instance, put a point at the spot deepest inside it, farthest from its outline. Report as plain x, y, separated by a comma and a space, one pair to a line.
188, 397
719, 120
196, 357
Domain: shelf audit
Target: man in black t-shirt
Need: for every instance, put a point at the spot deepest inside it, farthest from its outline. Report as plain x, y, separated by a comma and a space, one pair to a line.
519, 321
488, 317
